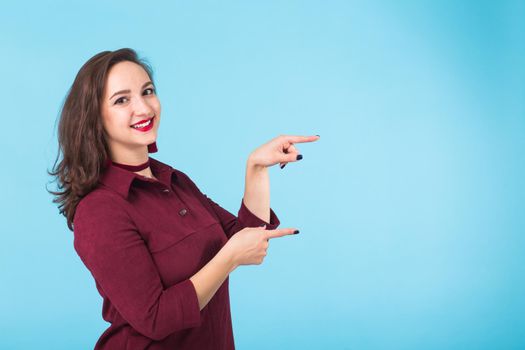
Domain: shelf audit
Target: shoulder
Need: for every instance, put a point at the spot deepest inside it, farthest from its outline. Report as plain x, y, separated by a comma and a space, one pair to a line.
99, 203
181, 175
101, 220
185, 180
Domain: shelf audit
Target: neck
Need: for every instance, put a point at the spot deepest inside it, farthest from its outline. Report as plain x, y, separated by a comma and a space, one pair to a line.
140, 169
136, 161
146, 172
123, 155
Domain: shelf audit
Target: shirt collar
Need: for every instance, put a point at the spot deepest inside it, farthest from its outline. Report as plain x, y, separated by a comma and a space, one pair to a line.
120, 179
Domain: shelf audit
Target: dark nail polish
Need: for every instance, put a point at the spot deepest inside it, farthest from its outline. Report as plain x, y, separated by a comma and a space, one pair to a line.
299, 156
282, 166
318, 135
295, 232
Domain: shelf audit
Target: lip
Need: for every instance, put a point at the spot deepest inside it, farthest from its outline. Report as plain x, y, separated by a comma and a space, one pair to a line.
147, 127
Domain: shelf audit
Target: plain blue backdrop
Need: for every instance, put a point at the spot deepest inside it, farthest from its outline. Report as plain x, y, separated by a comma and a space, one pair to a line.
410, 206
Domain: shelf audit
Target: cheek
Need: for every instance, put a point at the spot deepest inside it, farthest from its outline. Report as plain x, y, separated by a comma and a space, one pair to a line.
106, 123
116, 122
156, 106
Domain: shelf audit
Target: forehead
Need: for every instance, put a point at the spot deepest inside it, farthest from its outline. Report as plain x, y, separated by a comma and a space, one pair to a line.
125, 75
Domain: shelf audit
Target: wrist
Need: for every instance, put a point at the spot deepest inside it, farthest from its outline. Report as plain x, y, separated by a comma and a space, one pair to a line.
229, 257
253, 166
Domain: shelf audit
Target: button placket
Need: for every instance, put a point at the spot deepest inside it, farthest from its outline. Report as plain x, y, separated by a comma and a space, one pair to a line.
182, 211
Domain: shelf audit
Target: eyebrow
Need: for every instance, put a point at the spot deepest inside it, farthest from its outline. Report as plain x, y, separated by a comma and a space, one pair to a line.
128, 91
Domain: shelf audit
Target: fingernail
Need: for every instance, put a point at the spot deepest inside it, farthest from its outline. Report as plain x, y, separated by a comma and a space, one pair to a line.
282, 166
318, 135
295, 232
299, 156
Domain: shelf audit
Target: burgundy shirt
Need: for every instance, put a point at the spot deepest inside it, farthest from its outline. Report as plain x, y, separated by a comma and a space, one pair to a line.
142, 240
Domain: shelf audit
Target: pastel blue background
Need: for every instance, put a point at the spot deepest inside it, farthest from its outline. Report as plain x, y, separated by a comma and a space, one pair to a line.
410, 206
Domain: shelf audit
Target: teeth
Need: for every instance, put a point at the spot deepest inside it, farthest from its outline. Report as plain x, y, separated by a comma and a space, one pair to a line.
141, 125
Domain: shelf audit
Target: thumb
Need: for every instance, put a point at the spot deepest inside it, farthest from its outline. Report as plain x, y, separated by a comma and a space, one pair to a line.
280, 232
292, 157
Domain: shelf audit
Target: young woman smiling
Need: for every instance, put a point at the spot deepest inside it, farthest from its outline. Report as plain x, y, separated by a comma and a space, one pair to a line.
159, 250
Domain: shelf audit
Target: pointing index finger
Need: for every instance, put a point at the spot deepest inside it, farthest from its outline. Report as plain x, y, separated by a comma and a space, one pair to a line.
280, 232
300, 139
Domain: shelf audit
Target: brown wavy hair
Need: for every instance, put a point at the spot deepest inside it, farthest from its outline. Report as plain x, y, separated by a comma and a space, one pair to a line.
81, 135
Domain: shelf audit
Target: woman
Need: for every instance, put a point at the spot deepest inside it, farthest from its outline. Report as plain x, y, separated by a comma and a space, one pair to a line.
160, 250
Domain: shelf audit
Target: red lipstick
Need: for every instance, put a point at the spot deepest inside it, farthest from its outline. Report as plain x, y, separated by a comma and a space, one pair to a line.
146, 125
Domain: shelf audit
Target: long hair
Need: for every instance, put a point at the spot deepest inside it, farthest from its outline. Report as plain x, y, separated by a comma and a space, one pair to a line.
81, 135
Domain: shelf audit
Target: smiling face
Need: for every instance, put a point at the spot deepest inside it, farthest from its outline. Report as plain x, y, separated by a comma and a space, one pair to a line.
129, 99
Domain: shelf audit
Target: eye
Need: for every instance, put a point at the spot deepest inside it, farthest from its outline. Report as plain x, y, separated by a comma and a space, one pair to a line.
120, 100
152, 91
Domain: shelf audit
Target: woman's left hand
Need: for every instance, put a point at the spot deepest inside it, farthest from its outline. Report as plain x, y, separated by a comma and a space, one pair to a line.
280, 149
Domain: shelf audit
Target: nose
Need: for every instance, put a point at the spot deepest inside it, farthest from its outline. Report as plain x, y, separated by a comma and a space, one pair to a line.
141, 107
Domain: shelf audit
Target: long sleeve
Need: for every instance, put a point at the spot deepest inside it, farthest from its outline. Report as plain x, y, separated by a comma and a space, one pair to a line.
108, 243
245, 218
230, 223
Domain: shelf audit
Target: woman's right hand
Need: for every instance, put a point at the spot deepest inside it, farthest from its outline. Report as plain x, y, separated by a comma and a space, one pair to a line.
248, 246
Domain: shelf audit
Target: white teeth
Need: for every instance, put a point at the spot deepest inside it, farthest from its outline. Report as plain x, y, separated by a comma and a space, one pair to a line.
141, 125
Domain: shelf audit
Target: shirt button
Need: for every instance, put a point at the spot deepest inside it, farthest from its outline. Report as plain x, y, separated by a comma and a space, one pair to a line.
165, 190
183, 212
